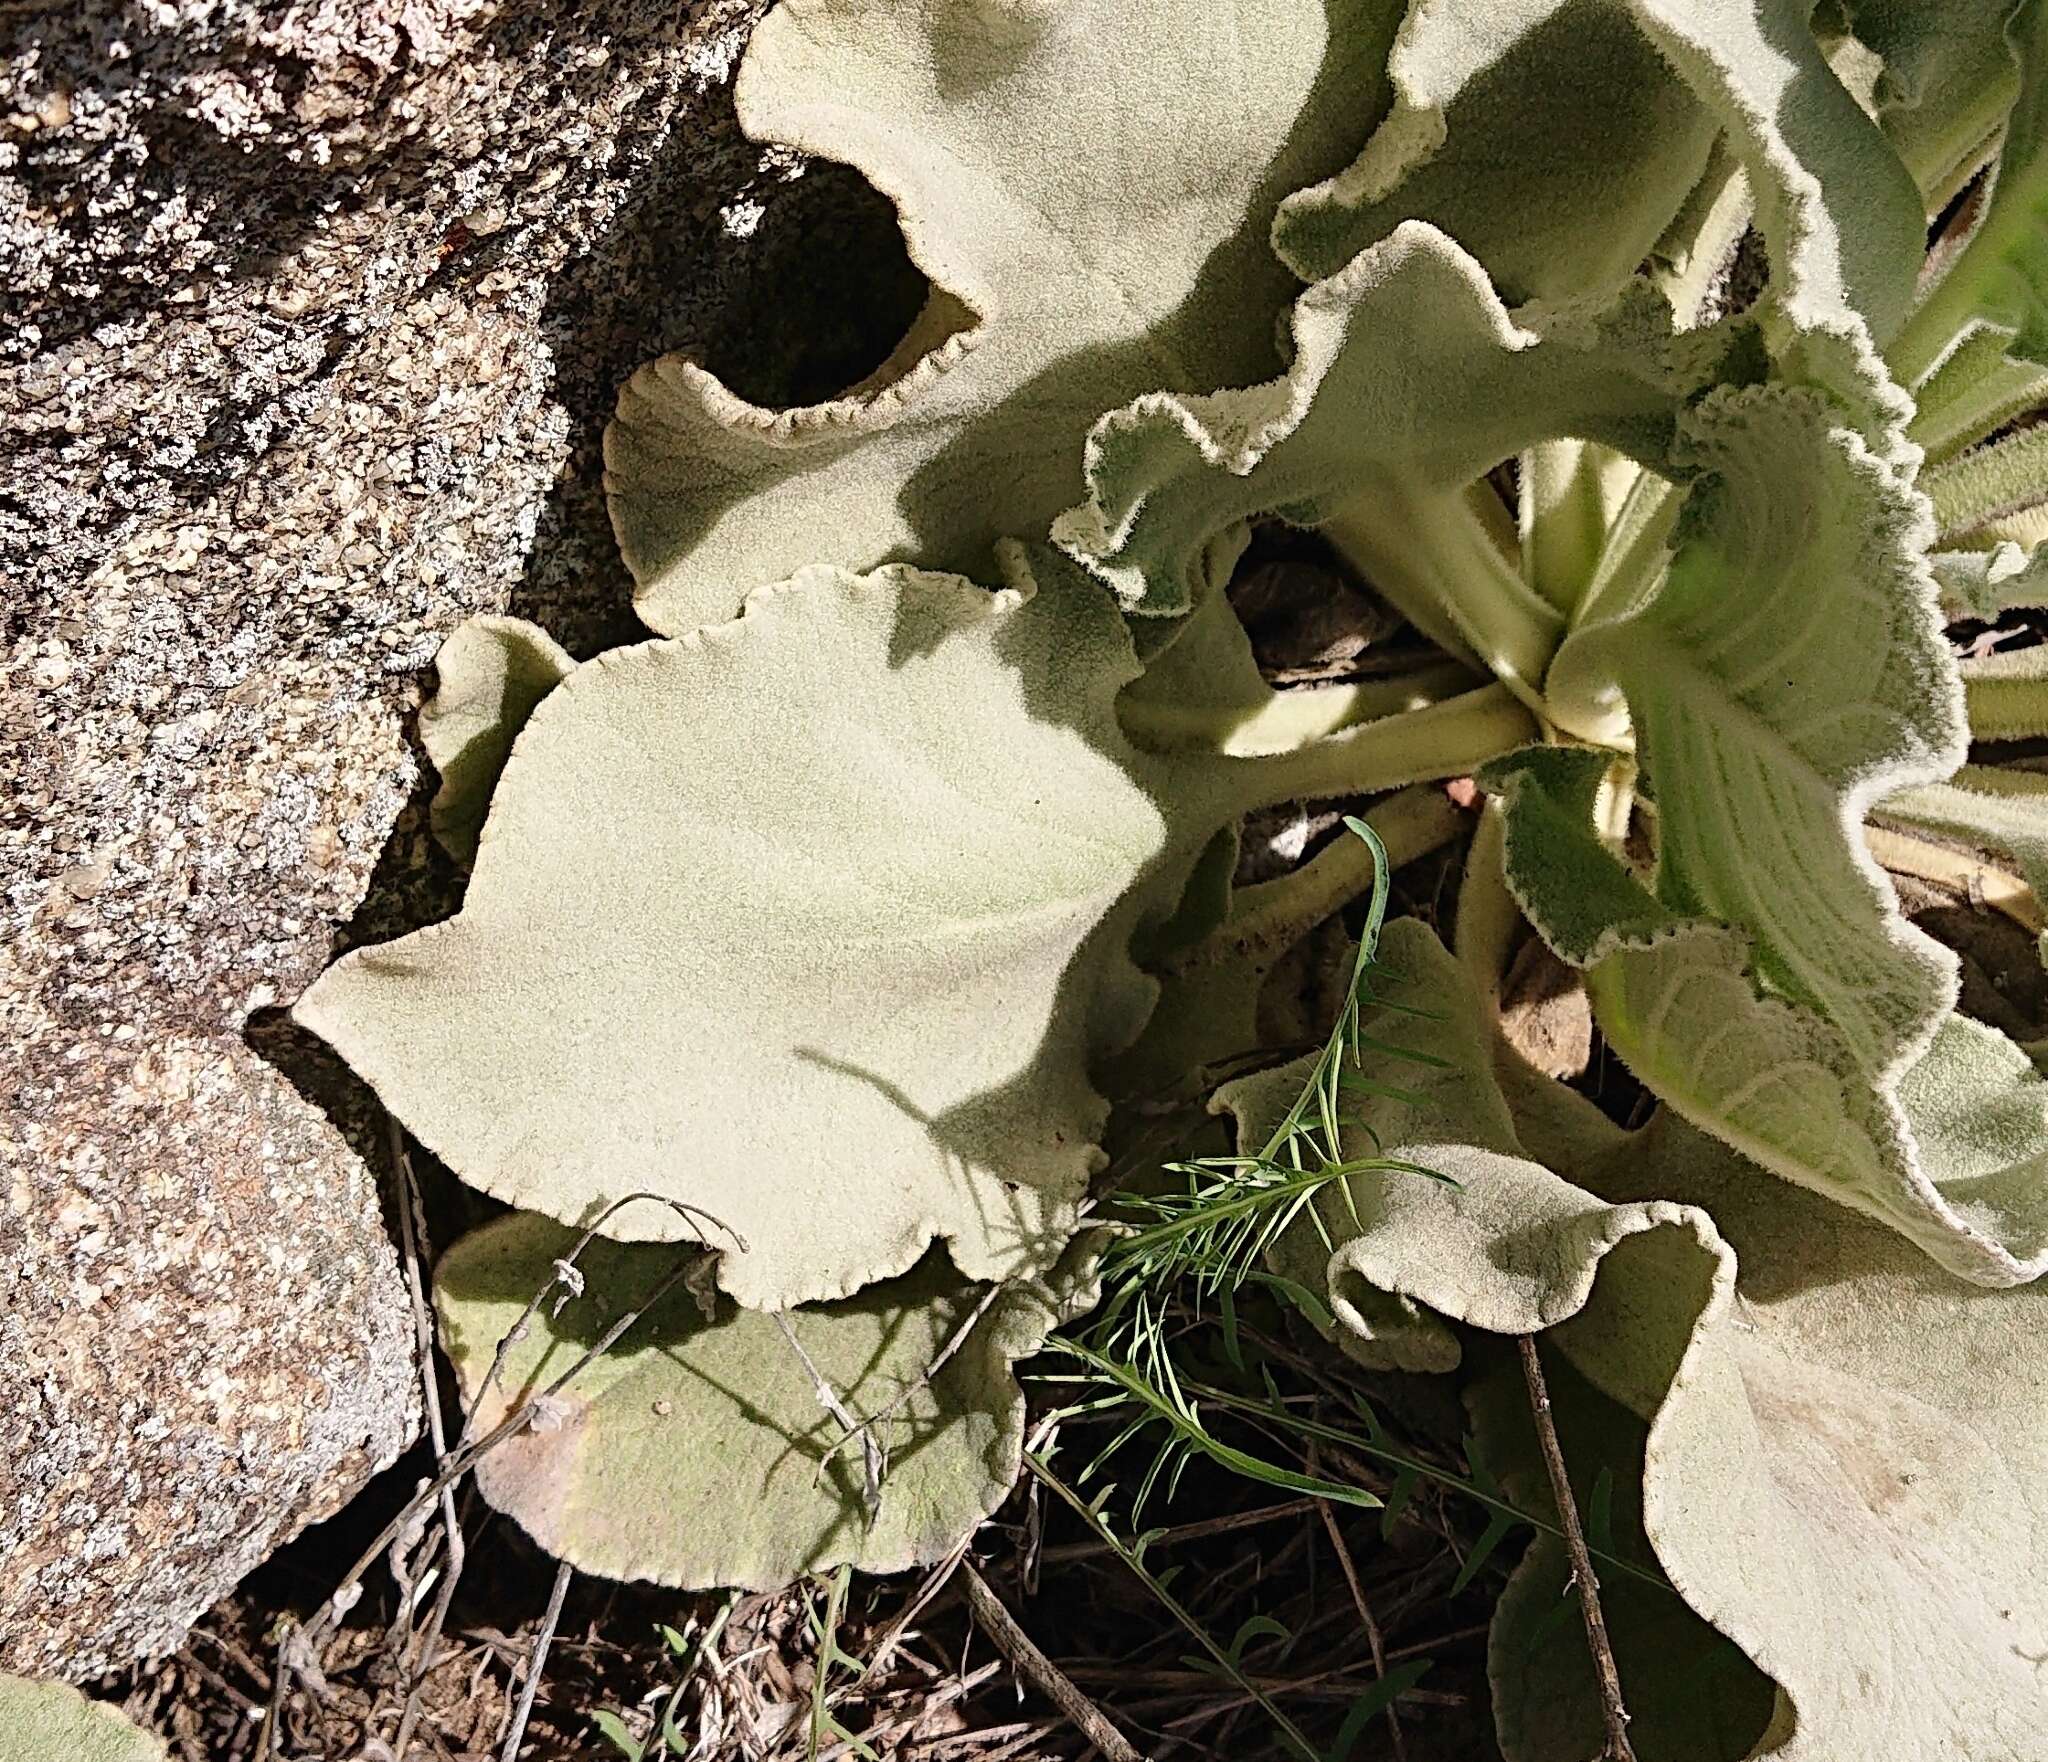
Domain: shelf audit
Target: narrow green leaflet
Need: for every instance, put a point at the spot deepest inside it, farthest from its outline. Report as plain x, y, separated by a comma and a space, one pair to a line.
1845, 1454
53, 1722
698, 1451
1408, 375
491, 673
1089, 187
1448, 1072
799, 921
1551, 140
1789, 669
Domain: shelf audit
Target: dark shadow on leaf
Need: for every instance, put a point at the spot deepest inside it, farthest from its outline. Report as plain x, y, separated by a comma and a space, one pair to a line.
932, 1297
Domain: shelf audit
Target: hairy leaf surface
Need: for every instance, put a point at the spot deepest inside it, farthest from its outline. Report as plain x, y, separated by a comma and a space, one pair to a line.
1844, 1457
799, 921
1093, 217
1677, 999
2000, 278
1788, 670
1552, 141
492, 671
1406, 366
1945, 82
1556, 140
53, 1722
697, 1451
1692, 1694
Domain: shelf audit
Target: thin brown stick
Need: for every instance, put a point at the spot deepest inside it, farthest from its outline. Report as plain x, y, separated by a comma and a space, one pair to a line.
1015, 1644
871, 1463
1374, 1642
1066, 1552
280, 1684
953, 1344
213, 1678
943, 1696
461, 1460
297, 1645
565, 1267
419, 1652
535, 1664
1612, 1711
256, 1673
893, 1635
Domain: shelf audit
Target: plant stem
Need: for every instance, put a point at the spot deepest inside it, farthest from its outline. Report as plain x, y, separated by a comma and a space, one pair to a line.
1571, 491
1431, 554
1488, 917
2006, 695
1284, 721
1211, 1395
1416, 746
1374, 1642
1979, 881
1990, 483
1613, 1713
1269, 917
1976, 391
1581, 695
536, 1662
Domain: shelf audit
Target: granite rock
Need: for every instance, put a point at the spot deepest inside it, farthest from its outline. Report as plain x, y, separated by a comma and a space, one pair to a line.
315, 313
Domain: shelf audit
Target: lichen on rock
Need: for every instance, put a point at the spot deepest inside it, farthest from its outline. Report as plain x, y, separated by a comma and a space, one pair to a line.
315, 317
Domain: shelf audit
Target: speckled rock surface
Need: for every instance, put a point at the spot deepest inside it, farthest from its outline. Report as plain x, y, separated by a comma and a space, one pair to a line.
315, 312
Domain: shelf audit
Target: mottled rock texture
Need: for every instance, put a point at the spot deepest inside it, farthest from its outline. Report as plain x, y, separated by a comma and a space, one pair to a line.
314, 314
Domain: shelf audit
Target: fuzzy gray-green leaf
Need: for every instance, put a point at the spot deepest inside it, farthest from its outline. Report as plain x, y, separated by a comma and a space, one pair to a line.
697, 1451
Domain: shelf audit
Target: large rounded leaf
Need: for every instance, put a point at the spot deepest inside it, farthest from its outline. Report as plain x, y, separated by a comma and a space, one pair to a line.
1088, 184
804, 921
53, 1722
1552, 141
697, 1451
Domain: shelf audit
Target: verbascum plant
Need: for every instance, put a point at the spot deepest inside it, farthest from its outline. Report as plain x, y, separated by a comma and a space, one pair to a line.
53, 1722
838, 915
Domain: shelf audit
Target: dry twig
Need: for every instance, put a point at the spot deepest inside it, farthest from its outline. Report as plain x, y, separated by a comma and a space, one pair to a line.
419, 1654
871, 1464
535, 1664
299, 1647
1373, 1638
1015, 1644
1612, 1710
